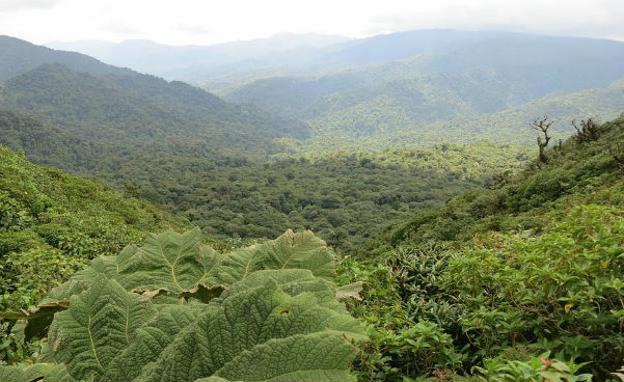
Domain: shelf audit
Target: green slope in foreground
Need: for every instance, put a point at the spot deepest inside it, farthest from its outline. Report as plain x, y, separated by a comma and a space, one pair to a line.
497, 277
52, 223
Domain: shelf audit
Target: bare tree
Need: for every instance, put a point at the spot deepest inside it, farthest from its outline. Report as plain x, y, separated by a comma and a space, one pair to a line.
541, 126
587, 132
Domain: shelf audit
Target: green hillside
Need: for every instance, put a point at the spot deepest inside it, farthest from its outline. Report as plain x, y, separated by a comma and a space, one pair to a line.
502, 274
446, 92
510, 125
127, 111
383, 122
52, 224
137, 111
18, 57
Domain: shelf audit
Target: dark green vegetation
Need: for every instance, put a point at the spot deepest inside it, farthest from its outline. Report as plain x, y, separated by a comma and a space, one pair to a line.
532, 264
346, 198
52, 224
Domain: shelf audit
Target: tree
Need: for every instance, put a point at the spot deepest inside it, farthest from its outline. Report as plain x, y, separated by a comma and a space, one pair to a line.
542, 126
587, 132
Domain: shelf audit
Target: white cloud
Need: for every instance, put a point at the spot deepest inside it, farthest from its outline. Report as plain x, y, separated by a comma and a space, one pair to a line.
209, 21
15, 5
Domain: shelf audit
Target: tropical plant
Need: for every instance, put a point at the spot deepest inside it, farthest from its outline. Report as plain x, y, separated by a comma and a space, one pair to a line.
176, 310
536, 369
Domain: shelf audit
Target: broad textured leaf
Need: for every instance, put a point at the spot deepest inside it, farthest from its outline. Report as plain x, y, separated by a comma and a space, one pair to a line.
170, 261
175, 310
293, 282
302, 358
101, 322
180, 265
152, 339
243, 321
43, 372
292, 250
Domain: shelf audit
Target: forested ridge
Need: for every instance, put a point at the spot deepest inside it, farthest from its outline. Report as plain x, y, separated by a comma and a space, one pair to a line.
396, 221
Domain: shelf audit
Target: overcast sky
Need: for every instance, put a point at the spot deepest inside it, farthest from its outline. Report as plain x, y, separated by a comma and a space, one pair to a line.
182, 22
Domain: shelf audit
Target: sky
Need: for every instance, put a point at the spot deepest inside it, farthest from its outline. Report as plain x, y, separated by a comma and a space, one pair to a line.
203, 22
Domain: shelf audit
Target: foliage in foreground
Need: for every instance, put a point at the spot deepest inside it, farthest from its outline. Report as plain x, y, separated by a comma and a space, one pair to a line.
531, 265
175, 310
52, 224
503, 295
539, 368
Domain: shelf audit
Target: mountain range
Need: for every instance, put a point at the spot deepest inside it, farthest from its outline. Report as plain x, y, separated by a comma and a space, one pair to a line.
128, 110
387, 87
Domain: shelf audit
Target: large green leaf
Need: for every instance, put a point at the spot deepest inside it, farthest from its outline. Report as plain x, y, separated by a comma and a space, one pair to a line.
174, 310
300, 358
292, 250
101, 322
174, 262
244, 322
293, 282
44, 372
152, 339
180, 266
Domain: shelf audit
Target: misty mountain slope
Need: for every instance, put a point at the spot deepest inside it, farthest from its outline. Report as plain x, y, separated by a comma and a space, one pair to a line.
131, 104
223, 66
509, 126
19, 56
397, 46
468, 79
195, 63
512, 125
281, 53
514, 69
142, 110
